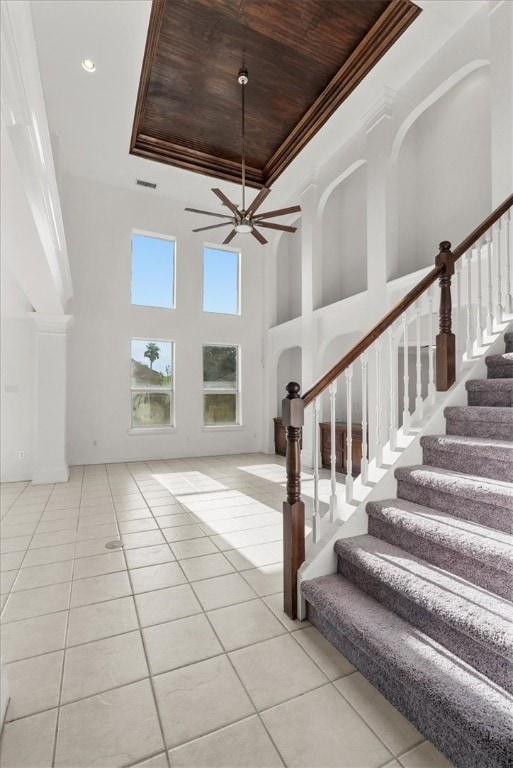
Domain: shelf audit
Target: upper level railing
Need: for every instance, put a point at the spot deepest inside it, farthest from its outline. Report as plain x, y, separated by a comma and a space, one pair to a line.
475, 317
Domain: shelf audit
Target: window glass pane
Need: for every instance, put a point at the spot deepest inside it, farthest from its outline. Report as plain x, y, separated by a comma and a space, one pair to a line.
152, 271
220, 409
219, 367
220, 281
151, 409
152, 364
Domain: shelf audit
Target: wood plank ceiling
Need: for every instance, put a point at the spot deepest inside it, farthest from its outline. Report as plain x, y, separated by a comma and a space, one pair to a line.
304, 58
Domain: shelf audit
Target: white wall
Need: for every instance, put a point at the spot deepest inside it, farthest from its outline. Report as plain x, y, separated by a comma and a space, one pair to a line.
99, 220
288, 276
289, 369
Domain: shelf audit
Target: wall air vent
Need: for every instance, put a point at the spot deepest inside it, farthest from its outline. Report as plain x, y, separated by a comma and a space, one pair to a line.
149, 184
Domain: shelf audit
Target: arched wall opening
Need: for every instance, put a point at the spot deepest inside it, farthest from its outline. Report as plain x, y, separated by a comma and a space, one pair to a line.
443, 173
335, 349
344, 238
288, 369
288, 276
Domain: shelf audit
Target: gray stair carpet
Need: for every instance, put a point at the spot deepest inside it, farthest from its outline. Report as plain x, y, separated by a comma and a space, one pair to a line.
481, 555
422, 604
470, 455
491, 392
480, 421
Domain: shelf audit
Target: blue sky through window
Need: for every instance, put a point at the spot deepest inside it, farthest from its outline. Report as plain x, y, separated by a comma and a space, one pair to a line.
220, 281
152, 271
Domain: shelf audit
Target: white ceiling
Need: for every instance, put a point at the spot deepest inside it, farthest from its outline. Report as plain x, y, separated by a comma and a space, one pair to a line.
91, 114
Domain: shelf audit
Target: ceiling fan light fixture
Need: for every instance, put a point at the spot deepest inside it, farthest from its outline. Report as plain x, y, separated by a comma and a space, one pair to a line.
244, 228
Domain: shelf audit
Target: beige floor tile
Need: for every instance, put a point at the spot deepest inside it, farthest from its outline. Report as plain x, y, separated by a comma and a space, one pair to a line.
206, 567
244, 624
94, 622
12, 561
180, 642
266, 580
267, 534
183, 550
111, 730
93, 547
223, 590
99, 588
159, 761
299, 728
182, 533
37, 602
154, 577
63, 524
60, 514
92, 521
275, 603
44, 575
106, 531
101, 665
166, 605
424, 756
133, 514
29, 742
7, 579
127, 506
34, 684
242, 745
97, 565
16, 544
136, 526
176, 519
275, 671
217, 527
159, 553
393, 729
392, 764
48, 555
332, 663
53, 539
251, 557
144, 539
12, 530
31, 637
232, 540
200, 698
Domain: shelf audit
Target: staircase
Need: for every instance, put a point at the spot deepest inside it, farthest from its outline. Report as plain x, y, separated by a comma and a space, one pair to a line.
421, 605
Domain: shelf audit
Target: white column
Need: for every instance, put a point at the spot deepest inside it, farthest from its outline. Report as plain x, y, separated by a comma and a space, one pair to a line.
50, 461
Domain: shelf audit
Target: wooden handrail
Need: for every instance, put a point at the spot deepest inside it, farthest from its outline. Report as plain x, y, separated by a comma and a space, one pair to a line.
401, 307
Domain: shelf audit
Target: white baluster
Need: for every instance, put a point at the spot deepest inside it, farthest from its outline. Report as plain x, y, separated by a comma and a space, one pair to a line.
419, 403
457, 332
431, 346
333, 456
364, 471
406, 379
316, 518
499, 312
379, 441
469, 346
393, 388
479, 312
489, 314
508, 299
349, 437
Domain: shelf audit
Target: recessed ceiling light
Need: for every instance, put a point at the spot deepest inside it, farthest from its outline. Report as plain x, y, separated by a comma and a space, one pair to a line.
89, 65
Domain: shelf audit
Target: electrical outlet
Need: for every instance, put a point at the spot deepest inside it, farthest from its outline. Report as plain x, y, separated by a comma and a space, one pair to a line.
21, 455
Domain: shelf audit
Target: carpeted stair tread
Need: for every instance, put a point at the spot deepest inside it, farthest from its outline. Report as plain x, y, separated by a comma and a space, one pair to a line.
463, 537
465, 618
461, 710
500, 366
479, 413
490, 392
484, 457
480, 421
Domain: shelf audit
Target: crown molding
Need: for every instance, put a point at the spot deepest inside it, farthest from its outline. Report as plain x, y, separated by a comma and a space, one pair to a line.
380, 110
24, 116
56, 325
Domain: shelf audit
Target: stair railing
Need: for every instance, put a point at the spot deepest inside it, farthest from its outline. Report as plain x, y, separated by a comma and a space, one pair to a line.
483, 297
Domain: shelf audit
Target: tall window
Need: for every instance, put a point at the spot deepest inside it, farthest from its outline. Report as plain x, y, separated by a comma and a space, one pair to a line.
153, 270
220, 385
221, 281
152, 383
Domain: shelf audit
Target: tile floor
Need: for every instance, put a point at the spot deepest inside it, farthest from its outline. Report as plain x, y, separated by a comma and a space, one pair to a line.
173, 651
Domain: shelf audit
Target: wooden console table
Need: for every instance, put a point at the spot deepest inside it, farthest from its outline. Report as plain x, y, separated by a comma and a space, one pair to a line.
341, 446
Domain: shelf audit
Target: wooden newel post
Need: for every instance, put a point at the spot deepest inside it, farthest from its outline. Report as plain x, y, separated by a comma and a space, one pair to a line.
293, 509
445, 340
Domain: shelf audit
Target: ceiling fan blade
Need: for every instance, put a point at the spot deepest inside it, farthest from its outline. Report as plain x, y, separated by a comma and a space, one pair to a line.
259, 199
280, 212
212, 226
225, 200
230, 237
281, 227
259, 236
209, 213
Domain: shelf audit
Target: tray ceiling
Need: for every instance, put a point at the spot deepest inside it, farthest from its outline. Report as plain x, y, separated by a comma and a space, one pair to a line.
304, 58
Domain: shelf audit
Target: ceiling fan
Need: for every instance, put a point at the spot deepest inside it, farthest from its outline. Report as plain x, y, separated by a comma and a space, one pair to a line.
246, 220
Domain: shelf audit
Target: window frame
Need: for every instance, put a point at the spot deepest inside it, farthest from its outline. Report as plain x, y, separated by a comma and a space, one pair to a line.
227, 249
155, 236
163, 428
237, 391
